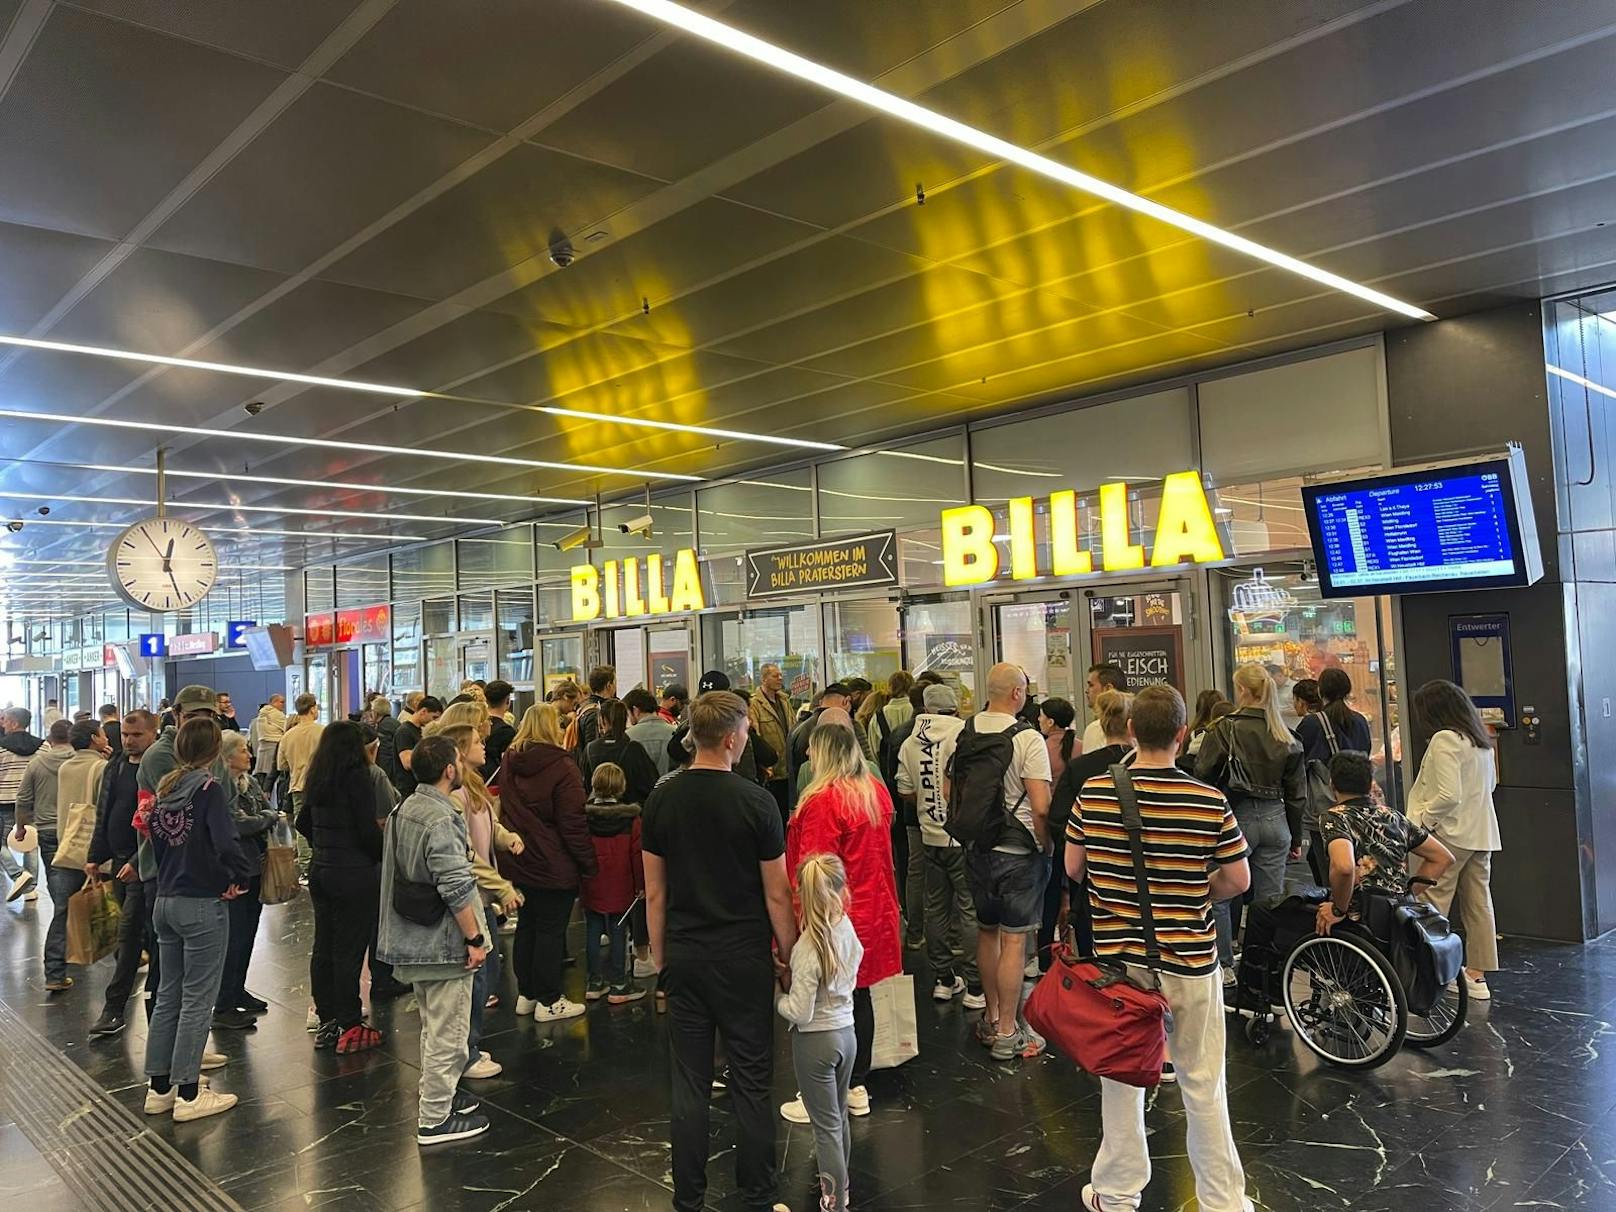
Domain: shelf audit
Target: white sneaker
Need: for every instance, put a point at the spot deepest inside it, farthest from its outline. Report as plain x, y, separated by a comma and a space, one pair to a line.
557, 1010
794, 1112
162, 1104
975, 1001
214, 1060
311, 1020
33, 895
858, 1101
644, 968
207, 1102
1230, 979
1031, 970
1478, 990
525, 1005
484, 1066
1090, 1199
947, 993
20, 885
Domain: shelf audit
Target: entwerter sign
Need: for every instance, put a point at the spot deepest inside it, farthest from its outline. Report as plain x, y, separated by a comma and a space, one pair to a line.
863, 561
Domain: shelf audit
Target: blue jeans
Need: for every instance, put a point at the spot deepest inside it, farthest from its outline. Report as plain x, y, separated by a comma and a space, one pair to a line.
1268, 836
484, 982
608, 966
62, 883
192, 935
8, 861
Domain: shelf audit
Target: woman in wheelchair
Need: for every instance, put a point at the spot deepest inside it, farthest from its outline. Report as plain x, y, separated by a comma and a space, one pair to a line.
1369, 845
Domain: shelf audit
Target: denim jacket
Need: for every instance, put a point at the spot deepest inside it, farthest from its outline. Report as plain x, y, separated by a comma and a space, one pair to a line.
426, 842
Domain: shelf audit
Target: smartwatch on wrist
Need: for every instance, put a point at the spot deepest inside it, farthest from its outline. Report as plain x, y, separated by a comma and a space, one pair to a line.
1339, 913
479, 941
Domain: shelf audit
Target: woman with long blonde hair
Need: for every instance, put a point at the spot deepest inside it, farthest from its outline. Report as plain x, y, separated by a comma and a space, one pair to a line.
1253, 759
845, 811
468, 711
819, 1007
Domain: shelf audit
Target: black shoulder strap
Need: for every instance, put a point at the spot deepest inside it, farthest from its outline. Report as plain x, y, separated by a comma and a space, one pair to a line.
1329, 733
1128, 803
881, 723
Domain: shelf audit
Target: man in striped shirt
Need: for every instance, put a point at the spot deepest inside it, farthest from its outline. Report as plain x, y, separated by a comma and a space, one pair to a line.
1194, 855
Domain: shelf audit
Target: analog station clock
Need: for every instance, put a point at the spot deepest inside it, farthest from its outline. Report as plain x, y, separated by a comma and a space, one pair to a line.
162, 564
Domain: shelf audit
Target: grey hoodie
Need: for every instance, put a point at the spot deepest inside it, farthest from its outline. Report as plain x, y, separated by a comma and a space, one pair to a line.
36, 798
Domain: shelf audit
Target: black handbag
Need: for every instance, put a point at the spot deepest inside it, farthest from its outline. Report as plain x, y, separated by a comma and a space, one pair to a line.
413, 900
1426, 954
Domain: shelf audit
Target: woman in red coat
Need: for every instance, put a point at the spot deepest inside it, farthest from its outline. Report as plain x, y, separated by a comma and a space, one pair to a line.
846, 811
541, 798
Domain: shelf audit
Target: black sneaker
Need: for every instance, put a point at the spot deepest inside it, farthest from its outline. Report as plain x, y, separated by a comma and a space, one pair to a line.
327, 1036
234, 1020
252, 1005
454, 1127
464, 1103
108, 1025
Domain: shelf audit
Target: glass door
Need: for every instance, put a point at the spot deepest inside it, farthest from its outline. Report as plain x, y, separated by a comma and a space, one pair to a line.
561, 659
940, 634
476, 650
668, 653
741, 642
442, 667
625, 652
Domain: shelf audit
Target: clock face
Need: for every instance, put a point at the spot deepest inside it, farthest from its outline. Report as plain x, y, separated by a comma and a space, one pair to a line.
162, 564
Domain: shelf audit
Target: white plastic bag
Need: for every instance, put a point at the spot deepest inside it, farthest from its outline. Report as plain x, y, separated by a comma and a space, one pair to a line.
897, 1038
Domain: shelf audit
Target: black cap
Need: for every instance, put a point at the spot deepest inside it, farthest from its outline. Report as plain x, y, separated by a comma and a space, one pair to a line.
713, 679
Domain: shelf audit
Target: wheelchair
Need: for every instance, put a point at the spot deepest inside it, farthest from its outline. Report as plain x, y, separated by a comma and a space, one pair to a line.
1355, 996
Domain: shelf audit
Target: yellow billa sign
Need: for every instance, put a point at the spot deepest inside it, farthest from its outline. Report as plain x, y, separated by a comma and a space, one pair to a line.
619, 591
1185, 534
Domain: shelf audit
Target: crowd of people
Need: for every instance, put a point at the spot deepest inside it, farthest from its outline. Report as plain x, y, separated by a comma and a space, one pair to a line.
741, 858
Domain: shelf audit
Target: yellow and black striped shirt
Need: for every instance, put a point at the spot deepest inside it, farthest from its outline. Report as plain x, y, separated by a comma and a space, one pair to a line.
1187, 827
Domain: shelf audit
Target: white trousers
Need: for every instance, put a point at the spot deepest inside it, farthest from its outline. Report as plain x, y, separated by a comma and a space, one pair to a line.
1122, 1167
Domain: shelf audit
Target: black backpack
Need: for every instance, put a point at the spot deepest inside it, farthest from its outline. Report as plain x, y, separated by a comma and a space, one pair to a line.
976, 812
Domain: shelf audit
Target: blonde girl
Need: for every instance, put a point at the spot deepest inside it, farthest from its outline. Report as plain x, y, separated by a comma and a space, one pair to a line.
470, 712
819, 1007
541, 725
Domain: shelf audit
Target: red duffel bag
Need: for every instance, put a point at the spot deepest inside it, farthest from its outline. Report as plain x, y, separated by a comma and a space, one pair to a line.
1090, 1011
1101, 1020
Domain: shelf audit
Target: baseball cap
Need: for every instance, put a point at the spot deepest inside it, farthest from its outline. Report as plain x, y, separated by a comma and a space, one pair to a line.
941, 700
196, 698
713, 679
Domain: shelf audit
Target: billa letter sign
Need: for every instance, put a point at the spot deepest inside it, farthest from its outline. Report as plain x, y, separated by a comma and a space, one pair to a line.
1185, 534
627, 589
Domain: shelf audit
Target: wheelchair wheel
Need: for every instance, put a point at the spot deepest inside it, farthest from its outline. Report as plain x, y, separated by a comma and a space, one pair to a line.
1444, 1020
1258, 1029
1344, 1000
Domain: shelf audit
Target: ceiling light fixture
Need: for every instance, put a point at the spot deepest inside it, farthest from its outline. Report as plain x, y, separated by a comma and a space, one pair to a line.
252, 372
7, 495
706, 431
243, 435
918, 115
232, 477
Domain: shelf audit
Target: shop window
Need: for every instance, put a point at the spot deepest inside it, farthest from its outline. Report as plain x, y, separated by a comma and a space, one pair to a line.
769, 511
319, 592
941, 636
1321, 414
1138, 440
863, 640
362, 584
904, 490
476, 611
513, 609
406, 646
562, 659
438, 616
422, 572
740, 644
490, 561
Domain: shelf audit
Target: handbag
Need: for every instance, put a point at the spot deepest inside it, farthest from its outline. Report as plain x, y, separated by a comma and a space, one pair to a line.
77, 827
1091, 1010
1320, 792
279, 882
414, 900
897, 1038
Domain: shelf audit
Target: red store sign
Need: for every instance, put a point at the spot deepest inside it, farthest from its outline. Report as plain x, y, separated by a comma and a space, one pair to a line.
365, 625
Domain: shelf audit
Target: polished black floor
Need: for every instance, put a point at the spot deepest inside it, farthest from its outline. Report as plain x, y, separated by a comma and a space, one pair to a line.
1515, 1113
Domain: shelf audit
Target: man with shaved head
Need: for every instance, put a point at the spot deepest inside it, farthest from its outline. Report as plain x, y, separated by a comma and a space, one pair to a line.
1006, 878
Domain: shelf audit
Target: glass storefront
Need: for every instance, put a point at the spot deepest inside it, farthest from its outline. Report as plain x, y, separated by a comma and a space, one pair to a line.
741, 643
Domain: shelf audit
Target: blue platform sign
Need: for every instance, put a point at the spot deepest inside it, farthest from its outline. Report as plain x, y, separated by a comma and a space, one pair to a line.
233, 629
153, 644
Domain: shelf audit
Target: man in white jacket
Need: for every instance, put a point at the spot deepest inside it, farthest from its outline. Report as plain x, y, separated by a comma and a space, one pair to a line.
950, 913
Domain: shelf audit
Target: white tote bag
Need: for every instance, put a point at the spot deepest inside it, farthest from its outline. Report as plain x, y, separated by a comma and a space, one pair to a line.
896, 1036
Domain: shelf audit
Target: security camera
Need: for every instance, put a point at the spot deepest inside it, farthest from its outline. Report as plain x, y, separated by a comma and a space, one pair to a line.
44, 511
582, 537
640, 526
562, 254
254, 408
14, 526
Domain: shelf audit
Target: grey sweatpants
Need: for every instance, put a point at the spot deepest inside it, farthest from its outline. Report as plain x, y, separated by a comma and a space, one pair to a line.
950, 916
824, 1064
445, 1019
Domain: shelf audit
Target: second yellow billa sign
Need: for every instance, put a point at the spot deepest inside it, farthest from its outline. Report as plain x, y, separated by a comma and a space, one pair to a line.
1185, 534
628, 589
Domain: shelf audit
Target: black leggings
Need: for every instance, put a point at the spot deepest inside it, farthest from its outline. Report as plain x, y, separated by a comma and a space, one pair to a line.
540, 946
863, 1034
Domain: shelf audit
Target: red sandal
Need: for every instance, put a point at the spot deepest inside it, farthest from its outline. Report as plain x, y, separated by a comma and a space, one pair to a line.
361, 1037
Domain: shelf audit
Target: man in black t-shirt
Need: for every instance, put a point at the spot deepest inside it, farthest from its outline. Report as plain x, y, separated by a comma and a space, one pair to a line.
716, 895
407, 738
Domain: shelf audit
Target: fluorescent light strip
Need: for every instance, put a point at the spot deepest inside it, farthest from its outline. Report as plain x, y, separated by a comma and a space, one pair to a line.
927, 458
918, 115
247, 435
6, 495
232, 477
1568, 376
288, 534
252, 372
677, 427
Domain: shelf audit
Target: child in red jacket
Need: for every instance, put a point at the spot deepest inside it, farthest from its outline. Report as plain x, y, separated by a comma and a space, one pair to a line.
608, 895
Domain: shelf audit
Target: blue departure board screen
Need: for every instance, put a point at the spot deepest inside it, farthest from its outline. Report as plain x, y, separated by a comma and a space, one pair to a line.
1422, 532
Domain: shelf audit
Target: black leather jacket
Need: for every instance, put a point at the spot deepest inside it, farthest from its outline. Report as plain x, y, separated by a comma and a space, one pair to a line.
1274, 769
115, 837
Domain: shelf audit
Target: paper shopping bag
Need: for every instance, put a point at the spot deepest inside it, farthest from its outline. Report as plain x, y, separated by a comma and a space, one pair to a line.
93, 918
74, 832
896, 1036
